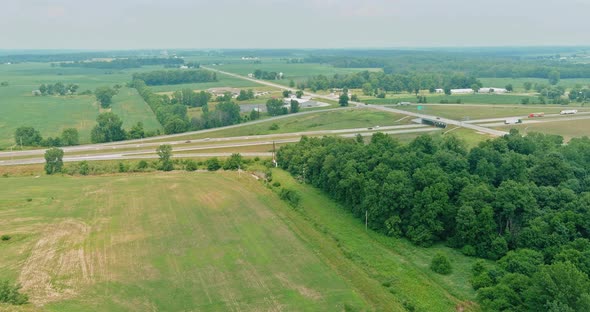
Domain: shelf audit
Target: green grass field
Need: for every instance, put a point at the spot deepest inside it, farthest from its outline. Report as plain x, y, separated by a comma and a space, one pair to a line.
471, 112
168, 242
568, 129
295, 72
332, 120
518, 83
400, 268
51, 114
465, 98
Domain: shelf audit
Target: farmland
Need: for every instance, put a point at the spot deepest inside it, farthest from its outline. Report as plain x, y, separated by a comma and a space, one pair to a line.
51, 114
295, 72
128, 244
332, 120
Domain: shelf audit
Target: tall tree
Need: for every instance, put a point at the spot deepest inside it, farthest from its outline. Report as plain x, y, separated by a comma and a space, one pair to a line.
104, 95
53, 160
165, 153
108, 129
27, 136
70, 137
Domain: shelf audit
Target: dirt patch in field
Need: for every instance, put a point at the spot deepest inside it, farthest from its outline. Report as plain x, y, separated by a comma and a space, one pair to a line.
57, 266
302, 290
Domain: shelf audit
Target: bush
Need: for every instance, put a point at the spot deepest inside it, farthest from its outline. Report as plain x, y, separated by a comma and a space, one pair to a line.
6, 237
290, 196
274, 126
233, 162
276, 184
469, 250
440, 264
212, 164
10, 294
191, 165
142, 164
122, 167
84, 169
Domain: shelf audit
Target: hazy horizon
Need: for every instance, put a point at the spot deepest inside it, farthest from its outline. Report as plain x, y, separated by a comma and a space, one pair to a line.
308, 24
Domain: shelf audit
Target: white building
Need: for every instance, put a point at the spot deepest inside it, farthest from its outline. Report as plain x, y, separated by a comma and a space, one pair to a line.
461, 91
492, 90
439, 90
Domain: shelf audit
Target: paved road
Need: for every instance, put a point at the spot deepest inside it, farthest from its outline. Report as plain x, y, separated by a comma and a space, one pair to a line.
537, 120
144, 148
275, 85
378, 107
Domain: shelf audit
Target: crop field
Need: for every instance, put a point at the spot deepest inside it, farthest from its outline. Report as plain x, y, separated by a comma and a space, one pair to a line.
295, 72
568, 129
168, 242
472, 112
332, 120
51, 114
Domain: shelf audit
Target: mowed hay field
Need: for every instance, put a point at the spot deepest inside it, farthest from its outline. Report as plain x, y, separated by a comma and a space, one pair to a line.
51, 114
329, 120
168, 242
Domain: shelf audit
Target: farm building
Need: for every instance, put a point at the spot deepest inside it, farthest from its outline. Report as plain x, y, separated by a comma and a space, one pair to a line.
439, 90
492, 90
461, 91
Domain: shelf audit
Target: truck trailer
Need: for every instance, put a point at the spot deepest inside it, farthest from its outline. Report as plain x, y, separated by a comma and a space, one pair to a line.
512, 121
568, 112
533, 115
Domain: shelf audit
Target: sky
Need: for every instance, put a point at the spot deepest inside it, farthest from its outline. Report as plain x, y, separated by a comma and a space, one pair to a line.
250, 24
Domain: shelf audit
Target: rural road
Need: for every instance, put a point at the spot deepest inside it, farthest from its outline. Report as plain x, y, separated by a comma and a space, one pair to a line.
377, 107
145, 148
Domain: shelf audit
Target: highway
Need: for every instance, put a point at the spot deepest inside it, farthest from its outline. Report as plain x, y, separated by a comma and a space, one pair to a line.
145, 148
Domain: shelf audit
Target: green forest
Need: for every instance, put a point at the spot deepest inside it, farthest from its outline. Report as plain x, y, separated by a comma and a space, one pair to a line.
523, 202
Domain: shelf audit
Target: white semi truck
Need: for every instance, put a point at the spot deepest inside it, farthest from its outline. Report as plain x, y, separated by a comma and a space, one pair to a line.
568, 112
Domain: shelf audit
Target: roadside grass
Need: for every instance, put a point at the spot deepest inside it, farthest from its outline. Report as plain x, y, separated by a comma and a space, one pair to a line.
464, 98
330, 120
518, 83
567, 128
155, 241
401, 268
472, 112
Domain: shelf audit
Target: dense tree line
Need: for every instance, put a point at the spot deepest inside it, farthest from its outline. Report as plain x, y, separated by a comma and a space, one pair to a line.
124, 63
172, 112
172, 116
266, 75
58, 88
522, 200
29, 136
171, 77
372, 83
483, 64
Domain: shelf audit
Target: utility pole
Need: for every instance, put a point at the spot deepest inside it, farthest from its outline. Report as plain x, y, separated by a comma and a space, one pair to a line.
274, 160
366, 220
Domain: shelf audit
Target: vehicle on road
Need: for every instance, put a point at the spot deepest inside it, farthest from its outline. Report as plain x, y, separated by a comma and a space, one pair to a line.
533, 115
512, 121
568, 112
